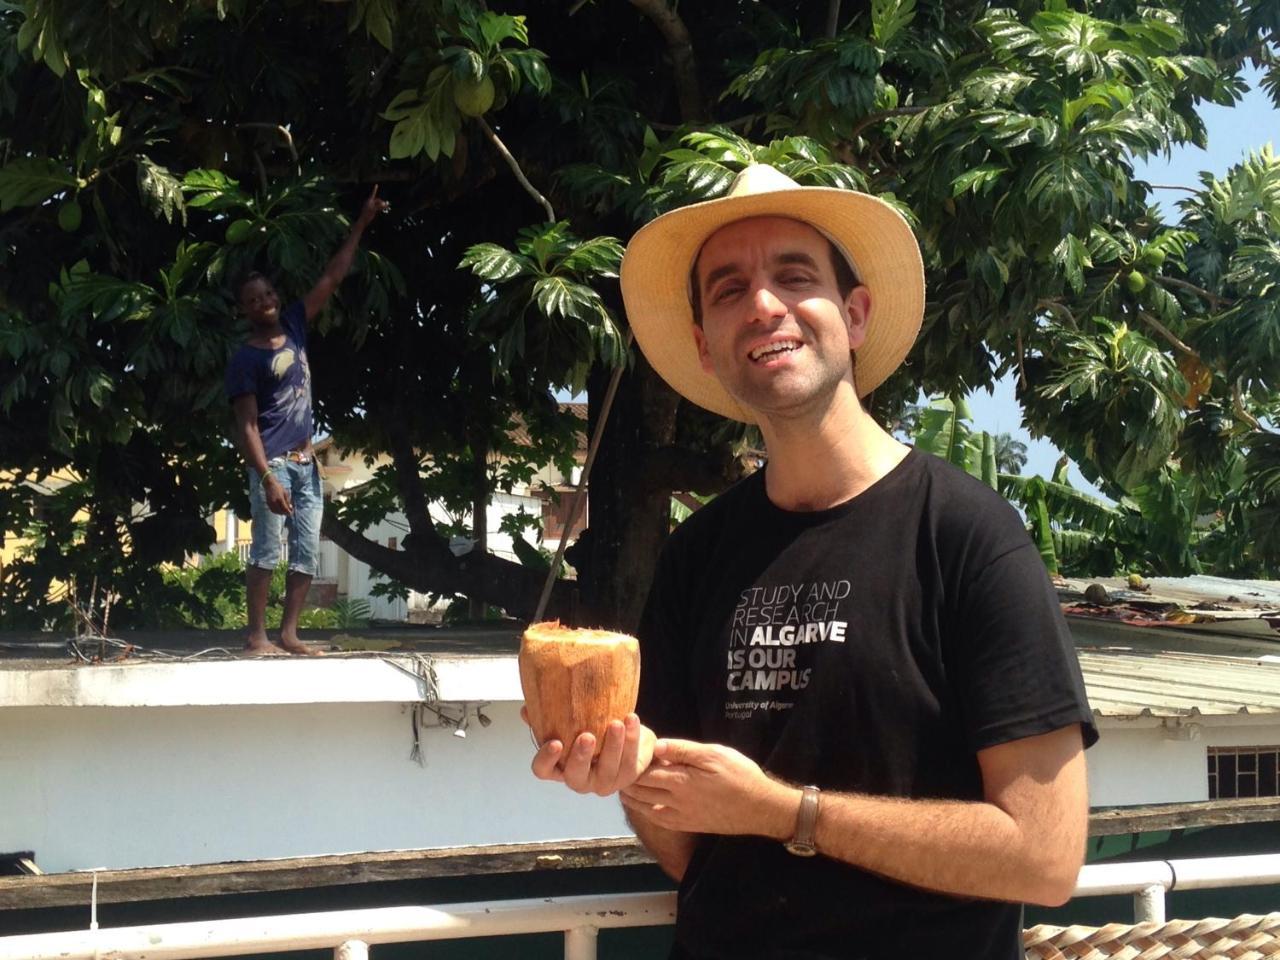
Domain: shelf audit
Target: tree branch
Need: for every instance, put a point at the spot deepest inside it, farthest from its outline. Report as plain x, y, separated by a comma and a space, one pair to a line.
515, 168
1253, 53
833, 17
1056, 306
282, 132
1022, 370
1168, 334
262, 171
1215, 301
873, 118
512, 586
680, 47
1172, 186
1237, 404
399, 564
409, 479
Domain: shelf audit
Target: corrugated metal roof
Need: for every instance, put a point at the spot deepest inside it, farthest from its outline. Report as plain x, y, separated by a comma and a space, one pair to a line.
1163, 684
1178, 647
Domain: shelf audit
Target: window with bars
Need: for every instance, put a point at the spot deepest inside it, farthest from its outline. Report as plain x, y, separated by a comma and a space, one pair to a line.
1244, 772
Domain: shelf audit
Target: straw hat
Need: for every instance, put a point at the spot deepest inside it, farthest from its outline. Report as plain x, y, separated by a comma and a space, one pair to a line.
874, 238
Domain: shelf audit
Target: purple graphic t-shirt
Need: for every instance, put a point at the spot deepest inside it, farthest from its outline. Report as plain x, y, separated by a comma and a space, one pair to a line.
281, 382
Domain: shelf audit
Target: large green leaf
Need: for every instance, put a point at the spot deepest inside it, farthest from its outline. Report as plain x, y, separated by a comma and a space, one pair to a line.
492, 262
30, 181
161, 190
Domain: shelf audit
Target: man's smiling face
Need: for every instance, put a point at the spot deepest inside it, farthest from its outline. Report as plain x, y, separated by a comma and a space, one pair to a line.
260, 303
776, 330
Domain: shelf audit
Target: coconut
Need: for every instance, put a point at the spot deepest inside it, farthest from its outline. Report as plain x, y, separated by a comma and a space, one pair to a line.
577, 680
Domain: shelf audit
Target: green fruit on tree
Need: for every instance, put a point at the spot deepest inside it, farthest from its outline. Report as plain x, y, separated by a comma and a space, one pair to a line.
1135, 281
238, 231
69, 216
1153, 257
473, 97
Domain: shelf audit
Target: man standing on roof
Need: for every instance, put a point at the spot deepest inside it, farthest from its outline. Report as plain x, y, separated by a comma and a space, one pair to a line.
269, 385
871, 713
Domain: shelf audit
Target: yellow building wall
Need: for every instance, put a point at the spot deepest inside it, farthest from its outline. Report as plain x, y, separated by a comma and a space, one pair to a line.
11, 544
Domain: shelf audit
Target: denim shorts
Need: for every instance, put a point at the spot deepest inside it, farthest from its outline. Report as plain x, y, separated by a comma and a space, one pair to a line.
302, 482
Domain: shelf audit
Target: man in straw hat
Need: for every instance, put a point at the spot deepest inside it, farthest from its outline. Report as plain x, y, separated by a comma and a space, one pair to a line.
871, 713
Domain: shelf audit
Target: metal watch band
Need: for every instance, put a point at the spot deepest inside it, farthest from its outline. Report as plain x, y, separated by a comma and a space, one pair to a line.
802, 843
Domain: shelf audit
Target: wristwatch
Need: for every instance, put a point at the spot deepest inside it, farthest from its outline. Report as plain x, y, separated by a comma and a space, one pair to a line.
801, 843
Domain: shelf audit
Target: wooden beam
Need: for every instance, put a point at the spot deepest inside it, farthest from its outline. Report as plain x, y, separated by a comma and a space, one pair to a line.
258, 876
261, 876
1179, 816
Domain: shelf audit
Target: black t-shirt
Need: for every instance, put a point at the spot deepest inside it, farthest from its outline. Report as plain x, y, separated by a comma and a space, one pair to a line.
873, 647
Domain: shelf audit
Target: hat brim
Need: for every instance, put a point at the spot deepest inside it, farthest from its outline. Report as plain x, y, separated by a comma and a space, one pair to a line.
655, 282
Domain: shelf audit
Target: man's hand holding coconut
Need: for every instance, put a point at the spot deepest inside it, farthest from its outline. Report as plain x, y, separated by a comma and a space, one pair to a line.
580, 691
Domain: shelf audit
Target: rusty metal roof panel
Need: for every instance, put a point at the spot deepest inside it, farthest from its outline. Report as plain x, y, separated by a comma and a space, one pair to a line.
1198, 599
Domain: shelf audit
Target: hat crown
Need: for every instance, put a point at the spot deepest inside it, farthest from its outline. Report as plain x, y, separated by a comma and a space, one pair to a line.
760, 178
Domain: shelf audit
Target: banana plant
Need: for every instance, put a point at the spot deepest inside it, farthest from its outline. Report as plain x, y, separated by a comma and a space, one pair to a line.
1070, 528
943, 430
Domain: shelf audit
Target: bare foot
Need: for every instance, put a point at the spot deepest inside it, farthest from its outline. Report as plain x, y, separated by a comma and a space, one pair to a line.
291, 644
255, 647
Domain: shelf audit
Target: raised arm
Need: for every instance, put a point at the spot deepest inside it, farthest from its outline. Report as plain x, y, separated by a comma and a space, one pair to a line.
340, 264
1023, 842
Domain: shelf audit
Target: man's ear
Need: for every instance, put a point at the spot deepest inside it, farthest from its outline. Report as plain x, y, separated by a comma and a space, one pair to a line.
857, 306
704, 355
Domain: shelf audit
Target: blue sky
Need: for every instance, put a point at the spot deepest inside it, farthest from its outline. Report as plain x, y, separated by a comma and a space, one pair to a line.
1233, 132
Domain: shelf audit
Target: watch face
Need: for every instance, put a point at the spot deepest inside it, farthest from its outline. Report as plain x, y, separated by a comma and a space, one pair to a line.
800, 848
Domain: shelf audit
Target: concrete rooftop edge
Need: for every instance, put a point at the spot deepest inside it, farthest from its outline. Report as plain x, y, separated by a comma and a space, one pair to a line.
386, 678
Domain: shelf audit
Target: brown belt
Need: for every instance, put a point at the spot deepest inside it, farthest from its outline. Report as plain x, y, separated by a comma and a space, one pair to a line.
298, 456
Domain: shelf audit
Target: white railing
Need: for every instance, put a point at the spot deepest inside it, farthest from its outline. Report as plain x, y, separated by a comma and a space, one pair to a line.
349, 933
1150, 880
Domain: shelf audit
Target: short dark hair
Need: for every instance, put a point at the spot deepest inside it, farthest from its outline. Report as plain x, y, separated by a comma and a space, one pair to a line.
846, 279
249, 278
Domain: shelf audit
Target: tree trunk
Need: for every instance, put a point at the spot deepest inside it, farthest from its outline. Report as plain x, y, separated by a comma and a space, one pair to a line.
630, 514
477, 606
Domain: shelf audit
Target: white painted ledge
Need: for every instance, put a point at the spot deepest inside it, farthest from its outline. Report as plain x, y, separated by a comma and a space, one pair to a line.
334, 679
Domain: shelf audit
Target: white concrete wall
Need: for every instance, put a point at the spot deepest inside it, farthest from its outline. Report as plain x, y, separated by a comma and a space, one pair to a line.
126, 787
1144, 765
1242, 736
1129, 767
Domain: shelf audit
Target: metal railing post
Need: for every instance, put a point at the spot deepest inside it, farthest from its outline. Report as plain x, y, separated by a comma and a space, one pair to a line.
1148, 904
580, 943
352, 950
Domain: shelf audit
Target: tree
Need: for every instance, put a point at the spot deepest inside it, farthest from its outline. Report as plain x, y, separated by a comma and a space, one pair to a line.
1011, 454
152, 149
